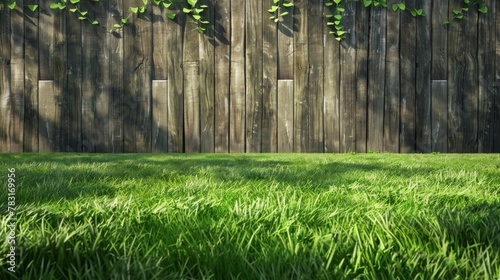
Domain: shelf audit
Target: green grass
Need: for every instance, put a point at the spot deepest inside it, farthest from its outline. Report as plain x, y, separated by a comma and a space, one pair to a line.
258, 216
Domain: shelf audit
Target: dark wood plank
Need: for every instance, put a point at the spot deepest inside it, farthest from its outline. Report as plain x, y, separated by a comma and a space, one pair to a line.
486, 66
392, 78
90, 77
423, 81
253, 63
48, 109
300, 82
159, 48
496, 124
316, 76
222, 72
462, 84
362, 48
439, 117
348, 83
5, 107
285, 43
16, 125
60, 81
30, 81
46, 41
237, 77
160, 124
207, 83
270, 83
116, 77
407, 106
439, 40
285, 116
376, 79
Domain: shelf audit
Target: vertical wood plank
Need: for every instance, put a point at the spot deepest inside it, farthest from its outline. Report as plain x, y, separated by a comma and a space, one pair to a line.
392, 78
362, 47
222, 21
439, 40
423, 82
496, 124
285, 116
286, 28
30, 81
175, 85
463, 86
300, 83
49, 109
5, 109
315, 79
348, 84
253, 63
237, 77
439, 118
407, 52
60, 80
191, 66
16, 125
159, 47
160, 110
46, 41
331, 89
91, 72
116, 77
486, 66
376, 79
207, 83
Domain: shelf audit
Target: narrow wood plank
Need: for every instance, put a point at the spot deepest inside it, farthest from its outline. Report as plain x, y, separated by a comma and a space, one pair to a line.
376, 79
439, 40
486, 66
300, 82
463, 86
30, 81
49, 109
116, 77
160, 110
315, 79
222, 73
348, 83
496, 124
392, 78
5, 107
286, 28
407, 52
16, 125
439, 117
331, 86
60, 80
159, 48
207, 82
90, 77
285, 116
270, 83
46, 41
423, 82
362, 48
253, 78
237, 77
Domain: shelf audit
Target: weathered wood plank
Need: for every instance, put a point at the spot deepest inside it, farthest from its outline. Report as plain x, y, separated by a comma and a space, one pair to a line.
316, 77
285, 116
5, 107
392, 78
159, 48
486, 66
90, 76
285, 43
300, 83
253, 78
16, 125
30, 81
376, 79
46, 41
49, 109
237, 77
348, 84
462, 84
175, 85
60, 80
160, 110
439, 116
116, 77
362, 47
439, 40
222, 74
407, 60
207, 83
423, 82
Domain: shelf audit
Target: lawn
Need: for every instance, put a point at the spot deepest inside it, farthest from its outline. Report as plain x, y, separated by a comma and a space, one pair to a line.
253, 216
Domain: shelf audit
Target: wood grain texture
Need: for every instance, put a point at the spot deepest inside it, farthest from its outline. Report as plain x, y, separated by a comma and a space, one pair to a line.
285, 116
300, 82
362, 49
237, 77
439, 116
160, 108
49, 109
116, 53
16, 123
439, 40
286, 28
61, 83
5, 76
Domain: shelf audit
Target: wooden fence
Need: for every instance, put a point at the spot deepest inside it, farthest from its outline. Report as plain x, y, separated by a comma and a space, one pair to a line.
396, 83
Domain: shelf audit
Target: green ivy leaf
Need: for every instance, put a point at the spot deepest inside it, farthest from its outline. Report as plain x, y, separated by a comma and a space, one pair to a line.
95, 22
186, 10
166, 5
145, 2
12, 5
170, 15
116, 25
196, 17
483, 9
192, 2
284, 14
73, 10
273, 9
287, 4
33, 7
74, 1
124, 20
134, 9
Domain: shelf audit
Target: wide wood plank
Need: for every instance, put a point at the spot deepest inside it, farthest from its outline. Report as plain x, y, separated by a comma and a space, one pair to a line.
286, 28
49, 109
439, 116
5, 107
376, 79
392, 78
300, 82
159, 47
60, 80
253, 78
237, 77
46, 41
222, 72
285, 116
16, 124
362, 48
439, 40
160, 110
